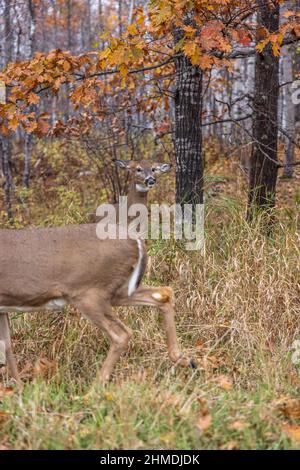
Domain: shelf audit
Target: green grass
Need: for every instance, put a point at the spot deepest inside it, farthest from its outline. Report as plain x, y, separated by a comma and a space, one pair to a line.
141, 413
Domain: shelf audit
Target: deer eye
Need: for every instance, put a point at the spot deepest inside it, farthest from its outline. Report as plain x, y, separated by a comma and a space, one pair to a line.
139, 170
153, 170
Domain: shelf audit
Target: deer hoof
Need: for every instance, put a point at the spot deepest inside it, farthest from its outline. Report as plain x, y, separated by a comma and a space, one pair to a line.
193, 364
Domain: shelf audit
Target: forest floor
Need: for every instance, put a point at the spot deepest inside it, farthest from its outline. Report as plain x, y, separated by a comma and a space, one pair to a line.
237, 309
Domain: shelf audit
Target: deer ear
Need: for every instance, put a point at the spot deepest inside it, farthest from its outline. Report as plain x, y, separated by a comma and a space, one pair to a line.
125, 164
165, 167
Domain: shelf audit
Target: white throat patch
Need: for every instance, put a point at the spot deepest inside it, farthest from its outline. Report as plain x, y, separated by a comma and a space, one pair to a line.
141, 189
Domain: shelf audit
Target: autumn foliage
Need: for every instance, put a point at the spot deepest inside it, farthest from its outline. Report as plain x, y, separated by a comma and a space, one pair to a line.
214, 33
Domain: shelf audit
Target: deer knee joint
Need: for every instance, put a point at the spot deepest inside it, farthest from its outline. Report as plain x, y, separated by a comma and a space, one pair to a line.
122, 341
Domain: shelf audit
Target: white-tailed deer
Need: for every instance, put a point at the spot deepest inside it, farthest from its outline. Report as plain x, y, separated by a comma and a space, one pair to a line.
46, 269
143, 176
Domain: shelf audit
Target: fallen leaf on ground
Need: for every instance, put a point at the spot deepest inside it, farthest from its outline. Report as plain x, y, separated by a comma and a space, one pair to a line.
3, 416
231, 445
26, 372
3, 447
44, 367
5, 391
171, 399
224, 382
238, 425
3, 443
292, 431
289, 407
199, 344
204, 422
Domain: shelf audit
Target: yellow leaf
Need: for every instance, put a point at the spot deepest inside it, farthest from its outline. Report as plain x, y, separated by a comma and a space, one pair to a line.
123, 70
13, 124
104, 54
132, 29
276, 49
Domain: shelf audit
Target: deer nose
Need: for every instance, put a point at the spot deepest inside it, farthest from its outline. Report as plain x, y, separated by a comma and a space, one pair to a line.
150, 182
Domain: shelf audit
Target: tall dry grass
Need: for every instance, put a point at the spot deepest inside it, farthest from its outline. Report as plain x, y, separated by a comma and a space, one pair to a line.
238, 313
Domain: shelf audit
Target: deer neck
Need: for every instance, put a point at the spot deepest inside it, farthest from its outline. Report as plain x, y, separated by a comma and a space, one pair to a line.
137, 194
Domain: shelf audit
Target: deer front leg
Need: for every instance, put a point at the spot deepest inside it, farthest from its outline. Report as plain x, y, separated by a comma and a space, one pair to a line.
6, 347
99, 311
162, 298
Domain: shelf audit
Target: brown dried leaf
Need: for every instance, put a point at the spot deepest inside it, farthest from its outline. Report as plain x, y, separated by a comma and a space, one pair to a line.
289, 407
231, 445
3, 447
4, 442
292, 431
5, 391
238, 425
296, 31
44, 367
4, 416
204, 422
199, 344
224, 382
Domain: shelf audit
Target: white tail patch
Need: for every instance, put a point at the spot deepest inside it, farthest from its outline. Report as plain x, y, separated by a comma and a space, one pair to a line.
157, 296
136, 273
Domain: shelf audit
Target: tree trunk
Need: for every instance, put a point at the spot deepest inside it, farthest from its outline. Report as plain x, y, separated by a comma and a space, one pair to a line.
297, 65
6, 169
289, 111
31, 50
188, 131
120, 17
296, 73
5, 140
66, 101
264, 167
27, 158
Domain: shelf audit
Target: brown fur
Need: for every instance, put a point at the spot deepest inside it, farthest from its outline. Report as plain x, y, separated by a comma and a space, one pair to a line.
71, 263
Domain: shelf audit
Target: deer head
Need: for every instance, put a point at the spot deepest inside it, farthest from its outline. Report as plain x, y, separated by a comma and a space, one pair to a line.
145, 172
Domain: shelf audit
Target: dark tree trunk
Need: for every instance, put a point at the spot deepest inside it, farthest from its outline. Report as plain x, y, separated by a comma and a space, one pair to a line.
27, 159
67, 111
188, 131
31, 50
264, 167
297, 64
296, 73
6, 169
5, 139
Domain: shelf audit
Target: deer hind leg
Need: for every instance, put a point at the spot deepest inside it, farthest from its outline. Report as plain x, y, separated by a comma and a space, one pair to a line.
99, 311
162, 298
6, 347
